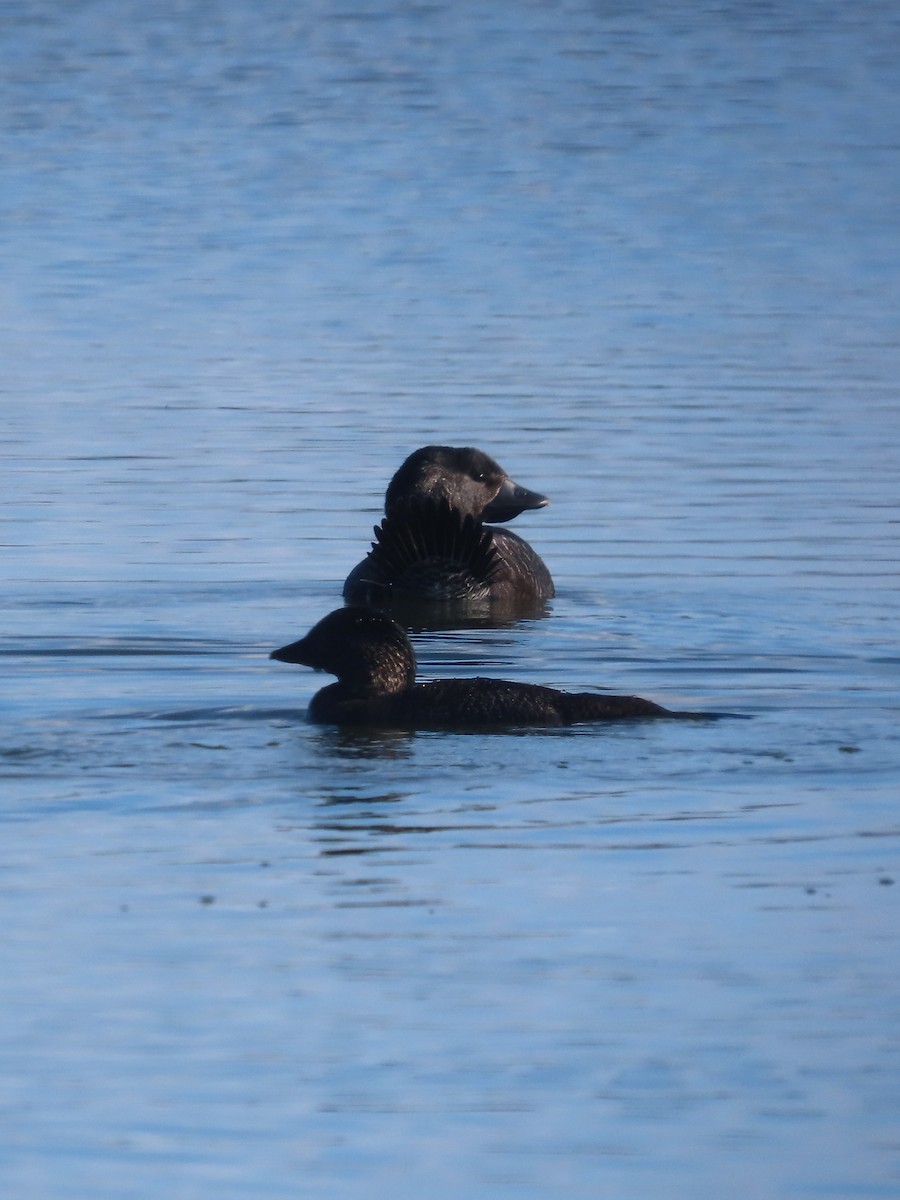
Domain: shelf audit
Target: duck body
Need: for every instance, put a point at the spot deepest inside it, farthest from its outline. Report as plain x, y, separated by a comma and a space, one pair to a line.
375, 666
436, 543
474, 703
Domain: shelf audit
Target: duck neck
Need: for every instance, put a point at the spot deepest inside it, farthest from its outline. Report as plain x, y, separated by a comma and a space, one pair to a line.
385, 672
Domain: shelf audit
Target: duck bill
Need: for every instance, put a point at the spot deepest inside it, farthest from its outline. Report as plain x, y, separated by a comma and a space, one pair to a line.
296, 652
511, 500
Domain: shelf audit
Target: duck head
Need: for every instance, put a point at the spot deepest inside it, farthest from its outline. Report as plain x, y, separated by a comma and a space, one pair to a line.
468, 479
365, 649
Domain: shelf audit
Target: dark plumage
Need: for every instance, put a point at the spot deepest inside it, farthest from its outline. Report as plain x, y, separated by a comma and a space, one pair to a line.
376, 669
436, 543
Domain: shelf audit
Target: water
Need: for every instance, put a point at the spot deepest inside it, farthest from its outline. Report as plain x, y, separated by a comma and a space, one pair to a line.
645, 255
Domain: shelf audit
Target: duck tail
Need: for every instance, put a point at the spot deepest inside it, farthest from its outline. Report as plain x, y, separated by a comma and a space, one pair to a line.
594, 706
430, 548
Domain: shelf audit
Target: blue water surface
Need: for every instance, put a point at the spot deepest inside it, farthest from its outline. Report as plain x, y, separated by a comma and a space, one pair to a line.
647, 256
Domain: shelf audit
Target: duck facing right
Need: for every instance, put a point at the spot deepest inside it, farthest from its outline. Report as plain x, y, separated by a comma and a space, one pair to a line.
438, 543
